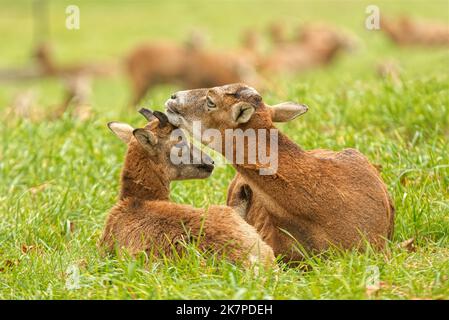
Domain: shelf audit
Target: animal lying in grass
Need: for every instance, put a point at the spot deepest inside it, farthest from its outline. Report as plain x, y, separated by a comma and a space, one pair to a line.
406, 31
190, 66
277, 34
316, 198
316, 45
144, 219
150, 64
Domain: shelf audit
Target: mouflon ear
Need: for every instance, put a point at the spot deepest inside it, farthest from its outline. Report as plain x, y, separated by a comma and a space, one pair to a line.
242, 112
122, 130
287, 111
146, 138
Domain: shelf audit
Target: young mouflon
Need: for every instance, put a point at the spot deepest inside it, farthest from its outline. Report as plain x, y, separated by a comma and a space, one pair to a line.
144, 219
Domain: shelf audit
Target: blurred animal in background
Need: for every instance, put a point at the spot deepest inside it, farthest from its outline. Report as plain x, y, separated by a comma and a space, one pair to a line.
78, 97
207, 67
150, 64
277, 33
193, 65
189, 65
389, 70
250, 47
49, 67
24, 105
76, 100
314, 46
328, 38
407, 31
197, 39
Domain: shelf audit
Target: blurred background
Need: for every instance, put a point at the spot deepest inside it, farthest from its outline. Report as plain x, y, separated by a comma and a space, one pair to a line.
265, 43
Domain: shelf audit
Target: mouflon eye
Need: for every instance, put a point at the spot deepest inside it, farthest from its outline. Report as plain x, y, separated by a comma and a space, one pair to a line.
210, 103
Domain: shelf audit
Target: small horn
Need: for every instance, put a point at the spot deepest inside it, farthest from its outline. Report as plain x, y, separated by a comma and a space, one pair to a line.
163, 120
147, 114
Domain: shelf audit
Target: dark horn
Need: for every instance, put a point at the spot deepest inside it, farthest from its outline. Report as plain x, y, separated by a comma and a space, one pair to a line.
147, 114
163, 120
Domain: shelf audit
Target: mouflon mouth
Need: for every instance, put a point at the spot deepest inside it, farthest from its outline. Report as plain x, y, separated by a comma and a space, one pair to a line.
174, 117
170, 105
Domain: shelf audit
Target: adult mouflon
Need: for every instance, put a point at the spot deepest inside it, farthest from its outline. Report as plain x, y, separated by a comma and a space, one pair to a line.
317, 198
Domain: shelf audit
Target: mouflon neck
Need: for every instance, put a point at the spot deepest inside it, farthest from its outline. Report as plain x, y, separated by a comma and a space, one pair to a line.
141, 178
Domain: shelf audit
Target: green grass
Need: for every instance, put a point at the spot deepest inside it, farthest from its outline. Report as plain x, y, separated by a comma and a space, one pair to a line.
58, 179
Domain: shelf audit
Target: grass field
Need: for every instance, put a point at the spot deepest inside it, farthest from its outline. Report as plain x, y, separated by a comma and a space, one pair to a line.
58, 179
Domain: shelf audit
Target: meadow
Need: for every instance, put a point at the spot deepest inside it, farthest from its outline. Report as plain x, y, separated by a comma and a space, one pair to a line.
59, 178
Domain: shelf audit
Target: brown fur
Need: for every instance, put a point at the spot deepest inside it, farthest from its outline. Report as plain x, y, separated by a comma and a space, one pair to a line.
316, 45
152, 64
319, 197
210, 68
145, 220
406, 31
191, 67
276, 31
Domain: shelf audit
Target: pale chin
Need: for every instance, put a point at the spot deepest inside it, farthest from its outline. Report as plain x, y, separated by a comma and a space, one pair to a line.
174, 119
